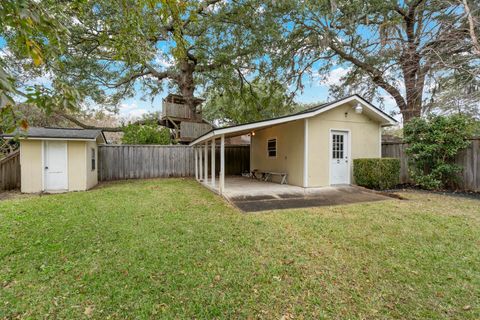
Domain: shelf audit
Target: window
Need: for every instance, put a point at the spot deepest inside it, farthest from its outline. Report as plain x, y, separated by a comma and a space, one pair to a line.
93, 159
337, 146
272, 148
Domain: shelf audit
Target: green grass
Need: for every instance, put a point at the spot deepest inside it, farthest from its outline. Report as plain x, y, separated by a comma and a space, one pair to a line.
172, 249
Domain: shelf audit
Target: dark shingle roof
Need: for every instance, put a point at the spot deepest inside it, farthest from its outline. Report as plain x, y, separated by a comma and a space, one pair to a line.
60, 133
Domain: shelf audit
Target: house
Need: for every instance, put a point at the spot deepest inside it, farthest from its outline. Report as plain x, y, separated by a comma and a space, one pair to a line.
58, 159
312, 148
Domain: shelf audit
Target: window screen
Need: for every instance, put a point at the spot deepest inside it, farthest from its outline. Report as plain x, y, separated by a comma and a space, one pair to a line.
272, 147
93, 159
337, 146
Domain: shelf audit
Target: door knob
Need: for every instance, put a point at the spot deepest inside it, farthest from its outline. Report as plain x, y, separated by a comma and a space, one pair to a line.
46, 168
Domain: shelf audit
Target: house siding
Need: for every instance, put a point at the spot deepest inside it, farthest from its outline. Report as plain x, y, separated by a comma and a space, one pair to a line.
364, 141
92, 175
77, 170
289, 159
31, 166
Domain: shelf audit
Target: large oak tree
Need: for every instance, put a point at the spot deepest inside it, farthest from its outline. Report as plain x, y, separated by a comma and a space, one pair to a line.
404, 48
119, 48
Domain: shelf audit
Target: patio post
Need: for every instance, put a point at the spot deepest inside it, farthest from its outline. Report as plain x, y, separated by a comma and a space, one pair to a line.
200, 160
222, 164
195, 152
305, 153
205, 177
212, 155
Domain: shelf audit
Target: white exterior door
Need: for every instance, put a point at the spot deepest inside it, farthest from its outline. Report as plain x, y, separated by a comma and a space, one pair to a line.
55, 166
339, 162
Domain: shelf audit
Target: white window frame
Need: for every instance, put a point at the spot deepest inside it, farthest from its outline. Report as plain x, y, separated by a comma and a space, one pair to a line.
276, 148
93, 157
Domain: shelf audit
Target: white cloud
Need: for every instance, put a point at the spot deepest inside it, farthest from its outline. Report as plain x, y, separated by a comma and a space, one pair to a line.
131, 111
164, 62
45, 80
333, 78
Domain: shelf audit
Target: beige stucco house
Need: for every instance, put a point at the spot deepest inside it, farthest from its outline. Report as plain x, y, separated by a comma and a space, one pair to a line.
58, 159
312, 148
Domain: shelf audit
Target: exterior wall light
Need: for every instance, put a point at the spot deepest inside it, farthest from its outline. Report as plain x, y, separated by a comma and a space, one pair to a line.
358, 108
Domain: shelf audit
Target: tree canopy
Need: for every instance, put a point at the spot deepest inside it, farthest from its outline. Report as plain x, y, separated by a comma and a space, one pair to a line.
418, 53
118, 48
253, 101
402, 48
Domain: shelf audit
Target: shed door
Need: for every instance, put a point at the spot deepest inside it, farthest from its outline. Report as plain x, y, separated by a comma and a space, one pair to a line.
339, 166
55, 163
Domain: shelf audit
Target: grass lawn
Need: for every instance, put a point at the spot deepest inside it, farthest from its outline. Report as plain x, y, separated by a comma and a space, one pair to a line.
172, 249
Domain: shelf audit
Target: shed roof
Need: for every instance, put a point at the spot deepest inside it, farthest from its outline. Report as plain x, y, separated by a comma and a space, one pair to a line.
57, 133
371, 110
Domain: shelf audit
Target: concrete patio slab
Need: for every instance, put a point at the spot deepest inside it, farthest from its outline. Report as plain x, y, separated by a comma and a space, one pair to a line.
252, 195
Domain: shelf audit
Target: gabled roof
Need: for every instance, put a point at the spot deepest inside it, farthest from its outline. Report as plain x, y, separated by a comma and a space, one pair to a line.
374, 112
41, 133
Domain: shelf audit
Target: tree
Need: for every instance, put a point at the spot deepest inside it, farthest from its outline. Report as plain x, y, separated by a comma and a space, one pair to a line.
118, 48
33, 37
247, 102
400, 47
148, 133
473, 21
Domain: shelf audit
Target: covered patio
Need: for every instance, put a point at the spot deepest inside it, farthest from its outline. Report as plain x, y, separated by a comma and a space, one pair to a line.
252, 195
309, 149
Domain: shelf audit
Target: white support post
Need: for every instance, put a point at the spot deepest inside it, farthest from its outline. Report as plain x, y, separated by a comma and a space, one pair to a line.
222, 163
195, 151
200, 167
305, 153
205, 177
212, 155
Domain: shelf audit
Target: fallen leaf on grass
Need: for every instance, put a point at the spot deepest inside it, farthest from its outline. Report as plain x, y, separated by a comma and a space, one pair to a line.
89, 311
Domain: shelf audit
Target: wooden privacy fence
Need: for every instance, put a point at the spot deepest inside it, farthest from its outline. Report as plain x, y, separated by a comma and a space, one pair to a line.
10, 172
468, 159
118, 162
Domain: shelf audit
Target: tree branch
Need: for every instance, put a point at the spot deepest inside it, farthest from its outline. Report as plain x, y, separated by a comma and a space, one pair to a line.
132, 77
375, 75
471, 27
86, 126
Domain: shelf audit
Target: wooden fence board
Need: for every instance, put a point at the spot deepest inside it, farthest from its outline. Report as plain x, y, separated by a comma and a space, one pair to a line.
139, 161
10, 172
468, 159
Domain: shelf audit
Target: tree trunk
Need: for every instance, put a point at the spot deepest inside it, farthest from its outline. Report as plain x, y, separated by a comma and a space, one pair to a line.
187, 83
414, 83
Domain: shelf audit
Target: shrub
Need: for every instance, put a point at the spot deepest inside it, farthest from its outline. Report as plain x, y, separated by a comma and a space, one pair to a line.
149, 133
433, 144
376, 173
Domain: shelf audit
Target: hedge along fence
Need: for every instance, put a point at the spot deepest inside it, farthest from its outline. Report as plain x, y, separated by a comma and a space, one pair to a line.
377, 173
118, 162
468, 159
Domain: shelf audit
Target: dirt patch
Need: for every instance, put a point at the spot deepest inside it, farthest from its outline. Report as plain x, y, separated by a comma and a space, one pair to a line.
14, 194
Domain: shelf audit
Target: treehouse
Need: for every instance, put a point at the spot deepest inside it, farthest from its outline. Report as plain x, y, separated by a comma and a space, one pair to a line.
186, 123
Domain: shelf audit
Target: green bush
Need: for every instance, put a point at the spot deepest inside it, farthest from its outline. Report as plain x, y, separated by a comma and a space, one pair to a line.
376, 173
433, 144
148, 133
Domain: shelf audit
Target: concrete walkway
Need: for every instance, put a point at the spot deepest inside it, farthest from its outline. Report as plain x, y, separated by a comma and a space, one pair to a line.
253, 195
